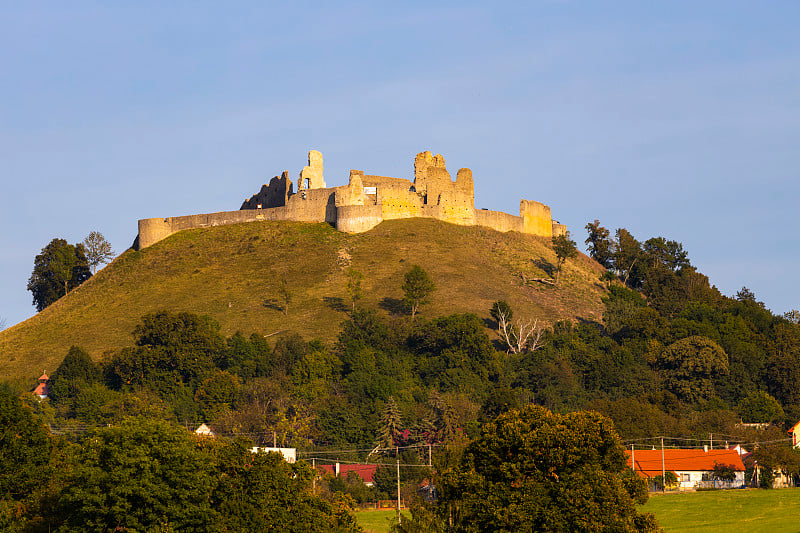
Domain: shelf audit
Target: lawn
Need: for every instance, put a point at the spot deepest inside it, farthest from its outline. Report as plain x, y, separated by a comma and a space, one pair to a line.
377, 521
751, 510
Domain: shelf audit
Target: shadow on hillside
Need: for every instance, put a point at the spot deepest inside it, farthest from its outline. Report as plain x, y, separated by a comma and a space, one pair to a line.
394, 306
336, 303
272, 303
546, 266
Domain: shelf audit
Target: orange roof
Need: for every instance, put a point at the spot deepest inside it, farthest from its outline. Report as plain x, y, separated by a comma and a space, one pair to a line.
43, 377
791, 429
648, 462
365, 472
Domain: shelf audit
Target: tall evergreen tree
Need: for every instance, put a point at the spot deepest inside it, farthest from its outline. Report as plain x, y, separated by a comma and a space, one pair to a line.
390, 427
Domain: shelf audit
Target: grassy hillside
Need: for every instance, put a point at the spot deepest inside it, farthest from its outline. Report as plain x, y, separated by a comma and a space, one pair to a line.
232, 273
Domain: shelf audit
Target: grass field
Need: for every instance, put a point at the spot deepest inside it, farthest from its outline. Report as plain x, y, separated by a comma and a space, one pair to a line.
723, 511
233, 273
750, 510
377, 521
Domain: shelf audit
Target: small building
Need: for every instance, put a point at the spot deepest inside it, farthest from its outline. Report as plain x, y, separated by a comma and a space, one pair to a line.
365, 472
289, 454
694, 468
205, 431
41, 389
794, 431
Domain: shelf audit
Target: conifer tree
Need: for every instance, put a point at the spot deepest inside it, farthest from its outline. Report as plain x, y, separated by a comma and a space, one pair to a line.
391, 422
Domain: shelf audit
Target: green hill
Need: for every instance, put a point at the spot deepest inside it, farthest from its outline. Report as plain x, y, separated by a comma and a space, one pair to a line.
233, 273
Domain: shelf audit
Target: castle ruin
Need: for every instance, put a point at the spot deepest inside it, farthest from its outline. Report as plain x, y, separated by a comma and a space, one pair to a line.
365, 202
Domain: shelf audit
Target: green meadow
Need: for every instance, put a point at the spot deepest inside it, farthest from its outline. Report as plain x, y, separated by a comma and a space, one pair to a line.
723, 511
750, 510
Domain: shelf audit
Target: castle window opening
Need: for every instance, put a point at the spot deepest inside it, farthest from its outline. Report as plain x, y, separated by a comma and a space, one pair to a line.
258, 206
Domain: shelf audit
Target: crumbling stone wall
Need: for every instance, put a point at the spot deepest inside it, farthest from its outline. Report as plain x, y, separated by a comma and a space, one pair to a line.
311, 175
536, 218
276, 194
364, 202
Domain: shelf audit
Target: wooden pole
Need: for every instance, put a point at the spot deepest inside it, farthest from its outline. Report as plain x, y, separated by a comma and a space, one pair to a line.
663, 470
398, 491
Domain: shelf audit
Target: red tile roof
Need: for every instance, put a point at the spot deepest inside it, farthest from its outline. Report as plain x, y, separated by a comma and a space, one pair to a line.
365, 472
648, 462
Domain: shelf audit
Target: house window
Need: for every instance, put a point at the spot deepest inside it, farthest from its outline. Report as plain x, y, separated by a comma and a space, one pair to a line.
685, 478
706, 477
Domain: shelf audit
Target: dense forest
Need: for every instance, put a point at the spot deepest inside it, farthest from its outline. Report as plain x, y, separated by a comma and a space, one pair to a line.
672, 357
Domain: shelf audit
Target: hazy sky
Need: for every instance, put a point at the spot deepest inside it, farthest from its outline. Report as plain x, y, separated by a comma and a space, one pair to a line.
678, 119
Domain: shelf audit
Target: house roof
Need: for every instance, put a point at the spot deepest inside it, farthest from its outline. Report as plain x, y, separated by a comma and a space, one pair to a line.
648, 462
791, 429
365, 472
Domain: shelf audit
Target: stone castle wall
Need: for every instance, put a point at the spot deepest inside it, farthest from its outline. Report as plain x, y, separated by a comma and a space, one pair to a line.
365, 202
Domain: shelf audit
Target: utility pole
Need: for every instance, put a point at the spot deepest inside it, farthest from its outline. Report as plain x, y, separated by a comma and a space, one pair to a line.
663, 470
430, 458
398, 492
633, 463
711, 438
314, 479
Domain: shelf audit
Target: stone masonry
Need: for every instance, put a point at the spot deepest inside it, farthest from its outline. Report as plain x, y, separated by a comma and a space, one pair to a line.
365, 202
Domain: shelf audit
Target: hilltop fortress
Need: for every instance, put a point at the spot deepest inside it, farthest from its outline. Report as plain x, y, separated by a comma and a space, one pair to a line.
365, 202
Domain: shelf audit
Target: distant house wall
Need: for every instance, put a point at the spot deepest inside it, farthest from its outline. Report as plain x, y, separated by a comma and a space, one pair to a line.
364, 203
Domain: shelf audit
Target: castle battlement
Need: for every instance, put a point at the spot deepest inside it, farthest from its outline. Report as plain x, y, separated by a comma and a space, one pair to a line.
365, 202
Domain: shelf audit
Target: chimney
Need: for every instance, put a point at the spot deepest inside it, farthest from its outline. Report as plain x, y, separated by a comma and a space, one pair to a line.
705, 448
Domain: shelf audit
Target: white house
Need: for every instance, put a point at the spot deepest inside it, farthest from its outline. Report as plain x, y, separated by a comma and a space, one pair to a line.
289, 454
694, 468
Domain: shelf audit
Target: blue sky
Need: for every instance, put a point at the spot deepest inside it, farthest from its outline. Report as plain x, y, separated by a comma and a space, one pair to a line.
678, 119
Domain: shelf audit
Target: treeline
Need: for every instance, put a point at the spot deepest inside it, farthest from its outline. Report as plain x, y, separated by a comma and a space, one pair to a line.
672, 357
145, 474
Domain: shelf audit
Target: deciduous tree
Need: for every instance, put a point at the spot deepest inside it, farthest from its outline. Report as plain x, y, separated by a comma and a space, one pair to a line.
600, 246
565, 248
354, 290
690, 367
417, 288
58, 269
142, 475
533, 470
98, 250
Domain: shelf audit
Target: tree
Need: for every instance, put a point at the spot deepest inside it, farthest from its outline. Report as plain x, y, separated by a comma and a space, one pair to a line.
417, 288
286, 295
262, 492
519, 336
76, 371
627, 253
24, 448
600, 245
142, 475
760, 407
98, 250
534, 470
58, 269
390, 426
792, 316
690, 367
501, 311
565, 248
354, 290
